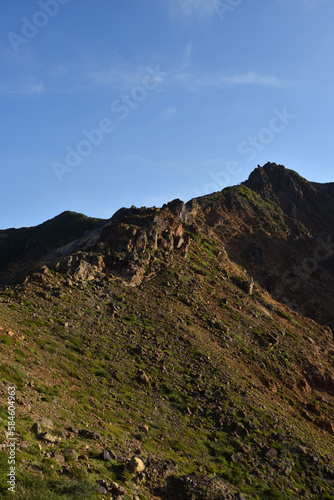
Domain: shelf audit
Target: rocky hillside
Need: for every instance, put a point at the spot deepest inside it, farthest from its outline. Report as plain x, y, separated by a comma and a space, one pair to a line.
22, 248
182, 352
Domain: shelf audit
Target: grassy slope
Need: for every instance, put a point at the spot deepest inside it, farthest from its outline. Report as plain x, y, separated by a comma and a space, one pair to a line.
205, 345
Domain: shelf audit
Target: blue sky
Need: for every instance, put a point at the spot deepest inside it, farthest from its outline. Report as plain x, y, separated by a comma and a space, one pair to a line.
112, 103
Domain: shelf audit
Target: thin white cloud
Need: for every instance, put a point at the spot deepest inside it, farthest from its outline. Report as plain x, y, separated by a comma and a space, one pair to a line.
119, 74
200, 8
89, 75
112, 74
200, 81
79, 76
249, 78
119, 79
125, 77
28, 87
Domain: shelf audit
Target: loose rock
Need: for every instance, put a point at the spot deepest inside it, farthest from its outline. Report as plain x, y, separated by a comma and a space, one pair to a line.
136, 465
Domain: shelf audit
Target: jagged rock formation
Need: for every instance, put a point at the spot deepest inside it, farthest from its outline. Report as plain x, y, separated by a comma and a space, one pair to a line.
168, 353
276, 224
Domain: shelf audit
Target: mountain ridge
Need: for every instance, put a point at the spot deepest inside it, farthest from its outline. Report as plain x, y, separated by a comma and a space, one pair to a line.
182, 352
274, 209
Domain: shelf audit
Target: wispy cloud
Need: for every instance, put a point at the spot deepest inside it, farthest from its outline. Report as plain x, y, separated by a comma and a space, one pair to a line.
249, 78
122, 79
200, 81
200, 8
73, 76
85, 76
28, 87
112, 74
186, 78
121, 75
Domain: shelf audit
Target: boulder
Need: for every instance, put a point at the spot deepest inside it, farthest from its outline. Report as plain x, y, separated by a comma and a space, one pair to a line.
36, 428
59, 458
144, 429
47, 437
71, 454
136, 465
108, 455
84, 271
102, 490
47, 423
236, 458
271, 453
117, 489
143, 378
87, 434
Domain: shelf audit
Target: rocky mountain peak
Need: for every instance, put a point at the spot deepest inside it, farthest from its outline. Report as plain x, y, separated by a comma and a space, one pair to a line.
300, 199
274, 180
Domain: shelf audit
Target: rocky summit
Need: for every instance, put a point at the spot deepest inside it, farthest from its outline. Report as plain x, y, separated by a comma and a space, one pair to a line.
181, 352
